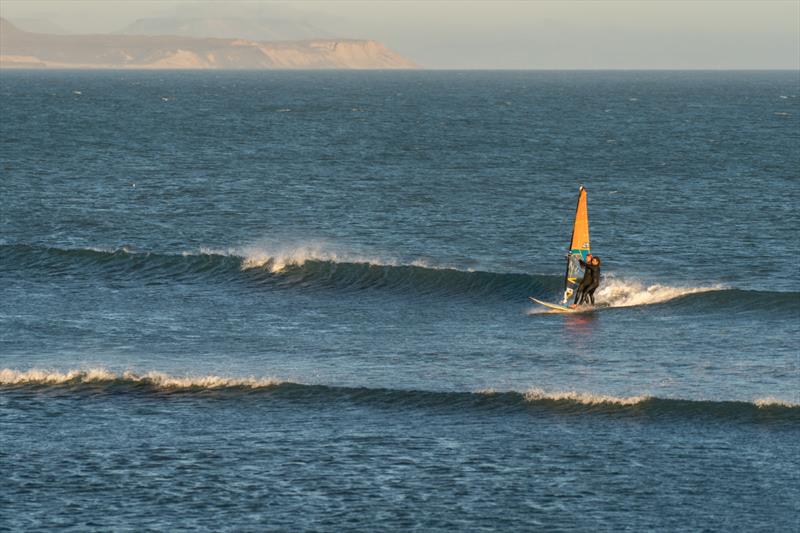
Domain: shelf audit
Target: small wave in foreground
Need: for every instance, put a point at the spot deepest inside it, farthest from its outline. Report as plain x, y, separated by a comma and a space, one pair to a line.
155, 380
103, 381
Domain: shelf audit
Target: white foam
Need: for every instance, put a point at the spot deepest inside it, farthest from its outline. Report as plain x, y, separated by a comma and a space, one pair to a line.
46, 377
584, 398
588, 398
278, 258
157, 379
771, 401
99, 249
620, 292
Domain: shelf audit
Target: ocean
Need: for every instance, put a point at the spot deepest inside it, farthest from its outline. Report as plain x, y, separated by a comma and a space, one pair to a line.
298, 301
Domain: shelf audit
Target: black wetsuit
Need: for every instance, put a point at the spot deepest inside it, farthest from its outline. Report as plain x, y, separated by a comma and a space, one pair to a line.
589, 283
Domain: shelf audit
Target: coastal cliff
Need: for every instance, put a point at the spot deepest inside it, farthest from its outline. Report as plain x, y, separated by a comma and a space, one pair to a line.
21, 49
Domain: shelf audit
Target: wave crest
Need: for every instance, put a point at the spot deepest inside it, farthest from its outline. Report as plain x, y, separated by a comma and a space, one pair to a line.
319, 266
583, 398
156, 380
771, 401
619, 292
278, 260
94, 379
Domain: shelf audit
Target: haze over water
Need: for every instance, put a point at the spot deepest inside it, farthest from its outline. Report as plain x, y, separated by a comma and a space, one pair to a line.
298, 300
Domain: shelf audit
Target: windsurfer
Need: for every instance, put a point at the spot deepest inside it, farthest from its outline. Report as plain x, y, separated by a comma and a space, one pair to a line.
590, 281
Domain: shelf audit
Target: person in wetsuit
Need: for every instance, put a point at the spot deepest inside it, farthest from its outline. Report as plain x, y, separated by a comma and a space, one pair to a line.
590, 281
594, 266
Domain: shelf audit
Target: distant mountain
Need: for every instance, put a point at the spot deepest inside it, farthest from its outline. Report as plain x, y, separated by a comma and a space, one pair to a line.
40, 26
260, 29
21, 49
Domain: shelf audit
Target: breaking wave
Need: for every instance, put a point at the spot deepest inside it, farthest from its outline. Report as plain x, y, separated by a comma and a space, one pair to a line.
315, 267
616, 292
278, 259
154, 380
582, 398
103, 381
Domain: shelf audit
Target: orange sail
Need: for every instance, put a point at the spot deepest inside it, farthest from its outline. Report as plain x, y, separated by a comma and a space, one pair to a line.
579, 246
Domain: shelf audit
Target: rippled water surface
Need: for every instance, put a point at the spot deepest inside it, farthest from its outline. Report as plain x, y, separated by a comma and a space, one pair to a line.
298, 301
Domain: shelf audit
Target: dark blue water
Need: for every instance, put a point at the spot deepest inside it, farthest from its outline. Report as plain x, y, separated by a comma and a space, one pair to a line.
298, 301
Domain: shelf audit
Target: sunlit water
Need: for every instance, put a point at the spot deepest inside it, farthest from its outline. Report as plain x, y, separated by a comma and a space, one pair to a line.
298, 301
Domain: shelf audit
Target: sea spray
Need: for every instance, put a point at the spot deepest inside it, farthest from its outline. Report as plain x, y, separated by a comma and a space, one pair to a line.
621, 292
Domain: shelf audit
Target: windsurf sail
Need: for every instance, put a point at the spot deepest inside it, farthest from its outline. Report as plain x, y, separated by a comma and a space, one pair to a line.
578, 248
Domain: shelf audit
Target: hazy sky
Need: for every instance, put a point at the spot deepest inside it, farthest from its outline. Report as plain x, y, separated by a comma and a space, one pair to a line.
500, 34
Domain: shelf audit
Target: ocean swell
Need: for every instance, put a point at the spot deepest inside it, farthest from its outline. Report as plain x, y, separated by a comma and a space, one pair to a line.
540, 400
315, 267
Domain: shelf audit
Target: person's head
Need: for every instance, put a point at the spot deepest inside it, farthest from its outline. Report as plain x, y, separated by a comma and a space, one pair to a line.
589, 257
595, 260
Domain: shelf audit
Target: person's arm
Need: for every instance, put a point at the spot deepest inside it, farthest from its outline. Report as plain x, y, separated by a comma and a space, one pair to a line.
583, 263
